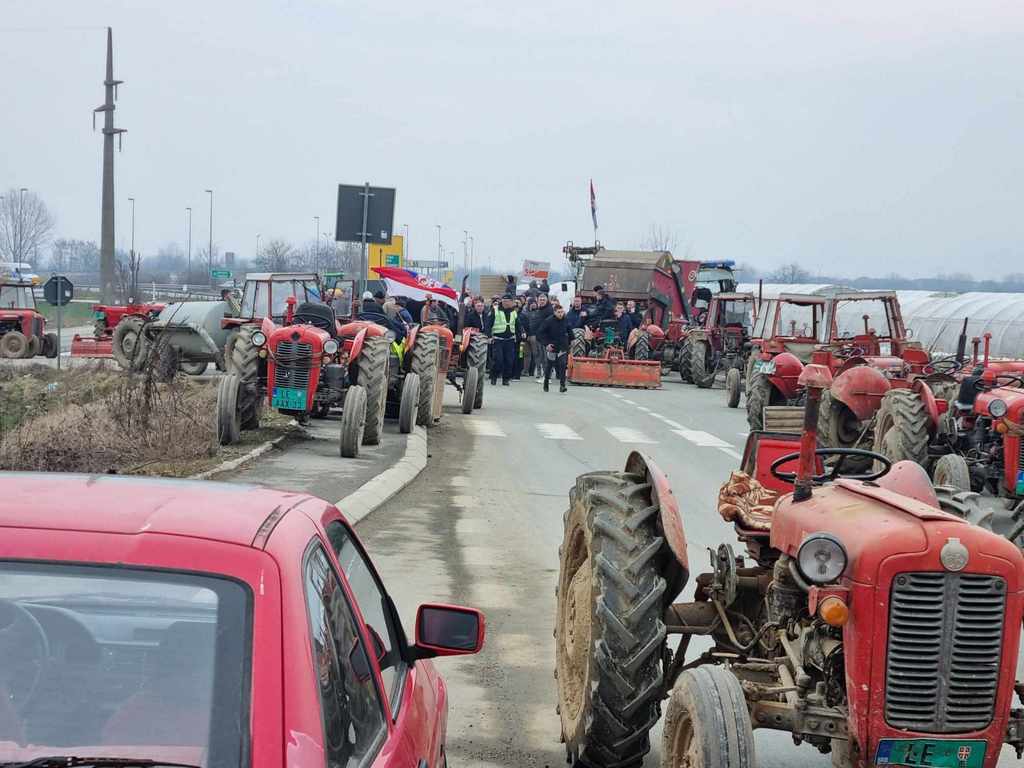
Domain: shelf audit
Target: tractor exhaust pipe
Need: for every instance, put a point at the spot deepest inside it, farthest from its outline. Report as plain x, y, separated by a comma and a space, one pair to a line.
961, 343
815, 377
988, 344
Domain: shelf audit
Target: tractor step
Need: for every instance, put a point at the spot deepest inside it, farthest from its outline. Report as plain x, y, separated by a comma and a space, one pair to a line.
614, 372
784, 418
88, 346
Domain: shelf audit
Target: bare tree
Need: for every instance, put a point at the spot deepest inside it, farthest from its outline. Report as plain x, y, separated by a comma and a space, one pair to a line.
126, 269
791, 273
25, 225
660, 238
277, 256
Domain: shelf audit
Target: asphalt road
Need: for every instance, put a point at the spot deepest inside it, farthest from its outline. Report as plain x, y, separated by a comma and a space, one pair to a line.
483, 524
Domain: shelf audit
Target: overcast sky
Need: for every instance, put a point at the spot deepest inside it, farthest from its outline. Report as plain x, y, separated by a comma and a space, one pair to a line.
854, 137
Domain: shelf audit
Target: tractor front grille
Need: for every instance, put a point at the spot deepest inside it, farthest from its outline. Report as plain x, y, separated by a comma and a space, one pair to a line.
945, 643
293, 362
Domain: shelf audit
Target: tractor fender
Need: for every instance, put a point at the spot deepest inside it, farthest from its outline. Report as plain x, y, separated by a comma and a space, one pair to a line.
860, 388
357, 346
657, 336
670, 517
410, 337
467, 336
786, 378
267, 326
931, 405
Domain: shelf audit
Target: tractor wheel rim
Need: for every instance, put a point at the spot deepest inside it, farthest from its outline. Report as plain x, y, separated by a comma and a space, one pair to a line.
574, 647
128, 342
686, 748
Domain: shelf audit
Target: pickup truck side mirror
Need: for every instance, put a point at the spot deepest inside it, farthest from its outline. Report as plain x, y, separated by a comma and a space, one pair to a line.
448, 630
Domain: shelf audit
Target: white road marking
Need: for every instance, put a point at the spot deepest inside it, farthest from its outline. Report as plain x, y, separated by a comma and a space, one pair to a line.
641, 408
485, 428
735, 454
743, 434
627, 435
614, 394
674, 424
558, 432
628, 401
703, 439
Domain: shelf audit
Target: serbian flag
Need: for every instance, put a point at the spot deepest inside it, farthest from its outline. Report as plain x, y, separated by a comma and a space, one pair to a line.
593, 204
413, 285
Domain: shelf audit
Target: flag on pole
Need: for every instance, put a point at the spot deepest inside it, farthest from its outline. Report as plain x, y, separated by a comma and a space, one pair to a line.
593, 204
413, 285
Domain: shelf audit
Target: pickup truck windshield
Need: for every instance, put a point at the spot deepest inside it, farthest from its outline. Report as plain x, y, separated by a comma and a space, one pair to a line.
123, 662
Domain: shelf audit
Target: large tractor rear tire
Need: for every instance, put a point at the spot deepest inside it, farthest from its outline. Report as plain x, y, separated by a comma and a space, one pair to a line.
685, 354
642, 348
578, 345
609, 636
353, 421
759, 394
700, 359
469, 389
837, 424
966, 505
732, 388
229, 427
476, 357
707, 723
130, 348
242, 358
373, 377
13, 344
951, 470
410, 403
425, 354
901, 427
51, 348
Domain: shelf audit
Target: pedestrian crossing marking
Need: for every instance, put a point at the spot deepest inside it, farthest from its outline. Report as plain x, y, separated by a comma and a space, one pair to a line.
558, 432
627, 435
703, 439
485, 428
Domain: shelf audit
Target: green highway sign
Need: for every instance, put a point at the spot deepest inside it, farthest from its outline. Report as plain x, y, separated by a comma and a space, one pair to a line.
220, 274
394, 259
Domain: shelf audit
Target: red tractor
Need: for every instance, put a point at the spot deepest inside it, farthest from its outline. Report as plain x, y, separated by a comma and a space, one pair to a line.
116, 330
785, 335
867, 615
721, 340
22, 327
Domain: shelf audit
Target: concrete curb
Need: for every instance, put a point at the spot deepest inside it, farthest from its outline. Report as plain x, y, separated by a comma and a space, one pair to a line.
227, 466
360, 503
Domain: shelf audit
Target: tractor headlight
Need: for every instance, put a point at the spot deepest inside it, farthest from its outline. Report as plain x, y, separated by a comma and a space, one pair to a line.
821, 558
330, 347
997, 408
259, 338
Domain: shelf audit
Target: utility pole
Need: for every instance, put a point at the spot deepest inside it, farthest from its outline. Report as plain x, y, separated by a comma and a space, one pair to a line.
257, 246
405, 244
188, 274
439, 247
465, 250
132, 250
21, 224
316, 245
472, 253
209, 254
107, 206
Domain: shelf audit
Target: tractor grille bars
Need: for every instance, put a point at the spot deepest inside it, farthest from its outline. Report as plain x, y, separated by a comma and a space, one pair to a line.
292, 364
945, 643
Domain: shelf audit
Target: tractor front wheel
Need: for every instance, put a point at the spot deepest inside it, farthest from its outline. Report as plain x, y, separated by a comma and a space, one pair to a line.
410, 404
242, 358
609, 635
702, 368
759, 394
476, 357
732, 388
373, 377
951, 470
13, 344
901, 427
469, 387
707, 724
50, 346
129, 345
578, 345
229, 427
685, 353
353, 421
425, 355
642, 348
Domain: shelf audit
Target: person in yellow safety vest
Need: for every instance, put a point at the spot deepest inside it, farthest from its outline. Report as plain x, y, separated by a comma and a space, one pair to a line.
505, 328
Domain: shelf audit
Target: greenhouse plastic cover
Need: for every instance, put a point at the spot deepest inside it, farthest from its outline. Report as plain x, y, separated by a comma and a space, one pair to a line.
936, 318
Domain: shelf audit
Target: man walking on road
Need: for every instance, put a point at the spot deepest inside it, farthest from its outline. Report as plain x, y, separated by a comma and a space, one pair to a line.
506, 331
537, 319
553, 337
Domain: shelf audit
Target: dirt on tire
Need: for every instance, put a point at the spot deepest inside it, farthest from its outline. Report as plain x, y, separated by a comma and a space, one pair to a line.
901, 427
609, 634
129, 345
372, 375
425, 355
699, 357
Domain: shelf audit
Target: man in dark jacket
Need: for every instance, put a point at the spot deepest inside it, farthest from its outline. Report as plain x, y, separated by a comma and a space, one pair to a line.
553, 337
635, 315
576, 317
602, 307
373, 312
537, 318
475, 315
505, 328
623, 323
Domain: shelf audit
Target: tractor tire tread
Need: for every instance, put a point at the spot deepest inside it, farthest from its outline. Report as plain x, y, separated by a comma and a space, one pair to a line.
373, 377
425, 358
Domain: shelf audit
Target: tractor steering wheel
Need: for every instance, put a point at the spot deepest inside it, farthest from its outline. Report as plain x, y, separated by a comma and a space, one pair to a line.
25, 650
944, 366
850, 350
834, 474
1001, 380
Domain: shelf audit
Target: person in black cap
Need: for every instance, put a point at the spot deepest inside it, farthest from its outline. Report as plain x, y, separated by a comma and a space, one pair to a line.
505, 328
373, 312
602, 308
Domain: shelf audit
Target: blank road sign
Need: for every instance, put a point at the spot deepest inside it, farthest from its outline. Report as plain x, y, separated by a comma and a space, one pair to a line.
380, 214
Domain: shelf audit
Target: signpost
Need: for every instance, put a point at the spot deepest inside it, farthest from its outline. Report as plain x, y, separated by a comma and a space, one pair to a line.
365, 215
426, 264
58, 291
538, 269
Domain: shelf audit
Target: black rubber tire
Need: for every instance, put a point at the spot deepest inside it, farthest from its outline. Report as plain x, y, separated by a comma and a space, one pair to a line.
965, 505
425, 355
707, 722
476, 357
372, 376
469, 389
609, 636
759, 394
51, 347
168, 361
836, 423
13, 345
732, 388
193, 369
229, 425
700, 354
353, 420
35, 346
901, 427
130, 347
242, 358
951, 471
578, 345
642, 348
410, 403
685, 353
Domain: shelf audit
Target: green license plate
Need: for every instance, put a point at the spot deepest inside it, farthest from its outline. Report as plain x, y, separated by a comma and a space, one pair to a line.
289, 398
764, 366
931, 753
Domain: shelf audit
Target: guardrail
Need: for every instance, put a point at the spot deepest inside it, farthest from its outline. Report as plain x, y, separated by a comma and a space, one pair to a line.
153, 292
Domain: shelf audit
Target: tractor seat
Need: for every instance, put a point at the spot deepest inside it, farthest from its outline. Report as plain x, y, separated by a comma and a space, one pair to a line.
746, 503
318, 315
